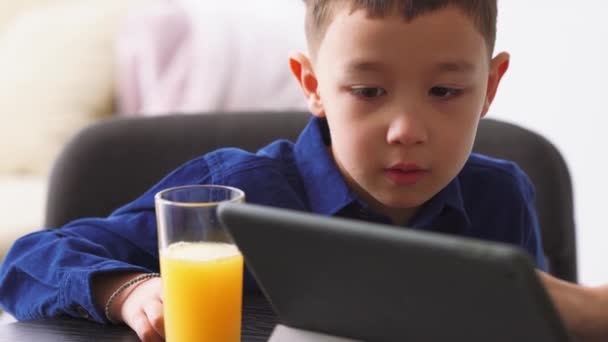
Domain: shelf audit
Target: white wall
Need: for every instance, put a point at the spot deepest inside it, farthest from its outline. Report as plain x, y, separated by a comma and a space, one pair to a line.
558, 86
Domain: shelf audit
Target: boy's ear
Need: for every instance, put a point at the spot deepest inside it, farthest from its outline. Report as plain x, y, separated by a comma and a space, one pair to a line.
301, 67
498, 68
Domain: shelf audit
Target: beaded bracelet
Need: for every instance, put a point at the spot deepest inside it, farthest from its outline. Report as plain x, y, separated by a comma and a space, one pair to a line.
123, 287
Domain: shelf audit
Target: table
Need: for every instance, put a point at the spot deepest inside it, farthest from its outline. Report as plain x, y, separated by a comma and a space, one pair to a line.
258, 322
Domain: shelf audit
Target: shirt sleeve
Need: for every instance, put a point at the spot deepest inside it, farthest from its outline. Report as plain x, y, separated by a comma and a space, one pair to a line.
530, 226
48, 273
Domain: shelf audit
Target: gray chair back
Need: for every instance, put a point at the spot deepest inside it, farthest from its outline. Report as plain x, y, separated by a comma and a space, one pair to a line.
112, 162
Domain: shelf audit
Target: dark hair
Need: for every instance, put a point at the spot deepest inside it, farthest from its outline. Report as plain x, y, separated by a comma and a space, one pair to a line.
319, 14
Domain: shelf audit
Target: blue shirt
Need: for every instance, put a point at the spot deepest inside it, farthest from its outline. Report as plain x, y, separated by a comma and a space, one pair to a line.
48, 273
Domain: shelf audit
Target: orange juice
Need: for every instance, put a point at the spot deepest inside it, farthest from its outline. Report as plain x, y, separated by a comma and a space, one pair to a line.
202, 292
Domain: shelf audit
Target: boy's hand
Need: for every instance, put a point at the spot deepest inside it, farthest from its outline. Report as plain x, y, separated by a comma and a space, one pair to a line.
142, 310
140, 306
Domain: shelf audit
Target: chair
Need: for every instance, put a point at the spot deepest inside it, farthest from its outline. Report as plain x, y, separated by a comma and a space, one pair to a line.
113, 162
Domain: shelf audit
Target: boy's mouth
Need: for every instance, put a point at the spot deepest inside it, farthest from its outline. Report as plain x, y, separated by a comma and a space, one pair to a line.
405, 174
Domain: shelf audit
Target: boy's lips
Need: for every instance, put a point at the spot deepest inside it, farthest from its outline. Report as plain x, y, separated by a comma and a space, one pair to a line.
405, 174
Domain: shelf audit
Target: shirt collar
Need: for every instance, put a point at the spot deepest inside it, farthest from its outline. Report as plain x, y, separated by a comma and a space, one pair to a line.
328, 192
447, 202
324, 185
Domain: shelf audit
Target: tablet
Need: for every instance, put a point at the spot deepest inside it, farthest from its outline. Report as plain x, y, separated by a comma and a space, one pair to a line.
376, 282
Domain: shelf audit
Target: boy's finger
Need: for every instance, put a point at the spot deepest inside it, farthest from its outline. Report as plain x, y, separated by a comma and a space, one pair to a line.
154, 312
143, 328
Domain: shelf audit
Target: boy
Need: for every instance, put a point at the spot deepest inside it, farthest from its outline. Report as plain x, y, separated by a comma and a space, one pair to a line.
397, 89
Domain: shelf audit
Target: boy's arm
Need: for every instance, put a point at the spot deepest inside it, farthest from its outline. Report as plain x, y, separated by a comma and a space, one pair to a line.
50, 272
583, 309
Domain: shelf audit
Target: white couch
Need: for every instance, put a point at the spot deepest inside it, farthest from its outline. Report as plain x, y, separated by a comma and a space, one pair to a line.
57, 66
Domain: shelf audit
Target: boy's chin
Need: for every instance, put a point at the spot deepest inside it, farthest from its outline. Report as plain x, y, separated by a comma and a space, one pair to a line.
396, 203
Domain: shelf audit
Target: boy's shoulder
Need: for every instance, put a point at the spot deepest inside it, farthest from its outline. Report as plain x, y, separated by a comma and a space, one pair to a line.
232, 158
227, 163
271, 167
269, 176
488, 174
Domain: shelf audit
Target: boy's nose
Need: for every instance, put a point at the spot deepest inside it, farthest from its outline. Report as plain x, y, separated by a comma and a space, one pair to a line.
407, 130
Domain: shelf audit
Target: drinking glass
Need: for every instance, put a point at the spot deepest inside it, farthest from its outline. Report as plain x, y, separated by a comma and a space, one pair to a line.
201, 267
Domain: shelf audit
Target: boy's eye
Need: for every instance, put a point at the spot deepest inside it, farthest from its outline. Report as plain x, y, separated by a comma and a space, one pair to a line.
444, 92
368, 92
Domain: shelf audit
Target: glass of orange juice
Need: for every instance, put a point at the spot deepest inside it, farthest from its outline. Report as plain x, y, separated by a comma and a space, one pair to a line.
201, 268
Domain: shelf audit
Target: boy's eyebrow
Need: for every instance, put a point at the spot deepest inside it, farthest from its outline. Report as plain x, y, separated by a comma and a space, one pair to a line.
456, 66
450, 66
364, 65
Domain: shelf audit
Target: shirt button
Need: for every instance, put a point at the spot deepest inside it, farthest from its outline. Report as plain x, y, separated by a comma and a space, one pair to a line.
82, 312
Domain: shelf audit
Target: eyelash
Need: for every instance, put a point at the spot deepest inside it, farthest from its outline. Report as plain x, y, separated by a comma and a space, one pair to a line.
364, 92
360, 92
452, 92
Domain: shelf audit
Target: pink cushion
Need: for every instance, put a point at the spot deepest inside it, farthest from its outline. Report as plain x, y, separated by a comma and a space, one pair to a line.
192, 56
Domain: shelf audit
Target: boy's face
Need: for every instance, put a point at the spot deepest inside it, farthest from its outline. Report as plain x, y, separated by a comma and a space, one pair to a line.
402, 100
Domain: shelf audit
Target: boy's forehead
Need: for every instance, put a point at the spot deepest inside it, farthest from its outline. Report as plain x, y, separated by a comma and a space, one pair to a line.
342, 10
365, 43
340, 15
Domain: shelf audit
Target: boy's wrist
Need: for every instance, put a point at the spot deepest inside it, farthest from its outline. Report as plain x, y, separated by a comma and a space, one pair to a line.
105, 284
115, 302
